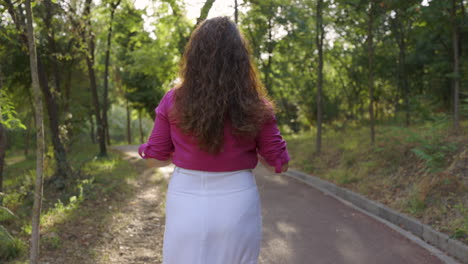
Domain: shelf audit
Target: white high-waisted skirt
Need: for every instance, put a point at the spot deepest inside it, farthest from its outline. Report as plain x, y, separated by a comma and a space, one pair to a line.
212, 218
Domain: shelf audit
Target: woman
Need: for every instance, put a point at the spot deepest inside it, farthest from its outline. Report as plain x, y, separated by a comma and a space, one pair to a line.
211, 127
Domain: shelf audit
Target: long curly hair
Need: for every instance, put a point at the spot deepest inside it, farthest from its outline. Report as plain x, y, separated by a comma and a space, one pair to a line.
219, 81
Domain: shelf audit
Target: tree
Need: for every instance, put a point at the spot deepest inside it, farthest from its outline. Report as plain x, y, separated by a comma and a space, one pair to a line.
87, 37
236, 12
3, 137
456, 66
370, 43
34, 254
50, 96
400, 26
319, 35
204, 11
113, 6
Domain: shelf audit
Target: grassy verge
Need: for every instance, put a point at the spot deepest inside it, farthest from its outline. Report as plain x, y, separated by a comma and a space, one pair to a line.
93, 180
421, 170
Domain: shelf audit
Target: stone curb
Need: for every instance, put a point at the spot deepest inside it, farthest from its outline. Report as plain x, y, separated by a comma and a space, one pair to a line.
422, 234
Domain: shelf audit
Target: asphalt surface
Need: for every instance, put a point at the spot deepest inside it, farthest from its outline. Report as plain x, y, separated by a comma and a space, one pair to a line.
302, 225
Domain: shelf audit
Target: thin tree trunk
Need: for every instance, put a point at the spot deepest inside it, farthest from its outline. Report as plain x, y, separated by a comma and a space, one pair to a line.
3, 140
400, 37
129, 128
3, 145
91, 121
370, 42
319, 41
92, 79
270, 49
67, 85
34, 252
106, 73
236, 12
142, 139
53, 112
405, 81
26, 139
456, 68
51, 42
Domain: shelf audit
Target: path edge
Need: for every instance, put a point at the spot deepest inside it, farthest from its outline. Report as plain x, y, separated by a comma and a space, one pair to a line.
437, 243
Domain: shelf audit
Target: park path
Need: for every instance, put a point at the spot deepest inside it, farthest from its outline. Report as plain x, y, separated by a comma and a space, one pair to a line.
302, 225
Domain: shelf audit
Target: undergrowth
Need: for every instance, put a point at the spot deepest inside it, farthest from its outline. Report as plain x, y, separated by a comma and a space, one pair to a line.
419, 170
92, 178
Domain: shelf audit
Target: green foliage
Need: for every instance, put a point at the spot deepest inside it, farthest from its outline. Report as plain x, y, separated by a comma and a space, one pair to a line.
10, 247
7, 110
431, 148
462, 230
416, 205
6, 214
464, 104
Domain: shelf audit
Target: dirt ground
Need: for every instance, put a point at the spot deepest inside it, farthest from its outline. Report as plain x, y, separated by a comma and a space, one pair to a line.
126, 230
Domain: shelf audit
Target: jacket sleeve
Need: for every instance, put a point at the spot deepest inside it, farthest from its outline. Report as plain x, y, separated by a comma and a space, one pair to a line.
159, 145
271, 145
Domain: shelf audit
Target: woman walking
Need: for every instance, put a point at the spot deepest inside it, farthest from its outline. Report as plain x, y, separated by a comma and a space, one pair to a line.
215, 126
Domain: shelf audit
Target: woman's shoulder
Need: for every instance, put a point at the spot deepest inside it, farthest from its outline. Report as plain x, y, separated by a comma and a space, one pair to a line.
166, 102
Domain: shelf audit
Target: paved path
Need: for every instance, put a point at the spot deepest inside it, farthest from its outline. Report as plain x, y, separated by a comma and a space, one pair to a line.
301, 225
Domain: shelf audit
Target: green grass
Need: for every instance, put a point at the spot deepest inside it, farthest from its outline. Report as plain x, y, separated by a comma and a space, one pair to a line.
411, 169
92, 178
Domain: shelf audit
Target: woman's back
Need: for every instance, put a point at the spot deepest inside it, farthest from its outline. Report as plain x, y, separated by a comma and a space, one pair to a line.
238, 152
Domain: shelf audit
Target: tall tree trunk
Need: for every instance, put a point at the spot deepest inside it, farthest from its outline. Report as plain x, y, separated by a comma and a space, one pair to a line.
400, 37
456, 68
370, 43
63, 167
34, 252
236, 12
50, 33
404, 80
270, 48
91, 131
92, 79
26, 139
142, 139
106, 73
129, 128
3, 145
3, 140
319, 41
68, 79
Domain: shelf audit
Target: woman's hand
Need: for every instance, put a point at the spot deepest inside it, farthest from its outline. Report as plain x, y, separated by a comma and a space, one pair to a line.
271, 168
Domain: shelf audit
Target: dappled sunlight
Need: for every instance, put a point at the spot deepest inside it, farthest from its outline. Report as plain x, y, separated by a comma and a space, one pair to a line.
100, 166
167, 171
286, 228
349, 245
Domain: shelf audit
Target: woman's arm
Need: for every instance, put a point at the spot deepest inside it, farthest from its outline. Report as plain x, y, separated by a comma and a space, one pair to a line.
159, 145
272, 147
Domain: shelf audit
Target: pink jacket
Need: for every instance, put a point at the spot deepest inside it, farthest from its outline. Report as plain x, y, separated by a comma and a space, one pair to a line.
238, 153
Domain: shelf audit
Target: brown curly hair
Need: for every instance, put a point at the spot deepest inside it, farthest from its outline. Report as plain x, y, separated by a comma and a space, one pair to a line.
219, 81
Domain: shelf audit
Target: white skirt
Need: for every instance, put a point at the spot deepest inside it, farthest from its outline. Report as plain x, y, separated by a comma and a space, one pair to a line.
212, 218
